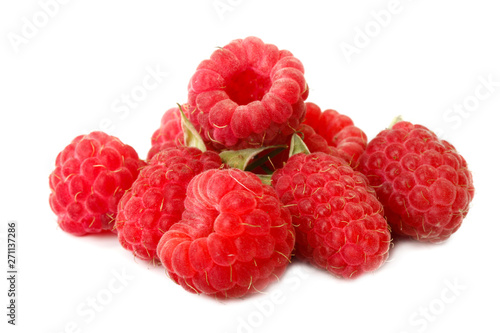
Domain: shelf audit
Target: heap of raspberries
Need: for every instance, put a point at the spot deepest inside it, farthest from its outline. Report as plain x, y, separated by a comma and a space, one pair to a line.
246, 176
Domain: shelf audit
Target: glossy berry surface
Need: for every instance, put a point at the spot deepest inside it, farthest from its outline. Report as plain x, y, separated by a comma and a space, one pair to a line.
92, 173
422, 181
339, 221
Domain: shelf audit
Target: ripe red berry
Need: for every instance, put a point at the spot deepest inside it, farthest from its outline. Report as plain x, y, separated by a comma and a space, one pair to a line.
92, 173
339, 221
234, 238
422, 181
156, 200
169, 135
247, 95
339, 132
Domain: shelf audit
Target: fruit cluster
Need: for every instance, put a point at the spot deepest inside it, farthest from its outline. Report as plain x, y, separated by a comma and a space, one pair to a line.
246, 175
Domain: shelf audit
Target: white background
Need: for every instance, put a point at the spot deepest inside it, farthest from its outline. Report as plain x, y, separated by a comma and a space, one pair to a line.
69, 75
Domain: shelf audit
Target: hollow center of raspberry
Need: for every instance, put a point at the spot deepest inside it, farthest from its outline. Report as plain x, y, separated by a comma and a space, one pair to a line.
248, 86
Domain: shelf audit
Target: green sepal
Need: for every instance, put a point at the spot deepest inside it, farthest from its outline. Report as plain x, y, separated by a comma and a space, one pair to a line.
265, 179
396, 120
191, 136
297, 146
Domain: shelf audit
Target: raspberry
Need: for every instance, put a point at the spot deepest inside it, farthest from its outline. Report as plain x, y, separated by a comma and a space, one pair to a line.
156, 148
234, 237
247, 95
338, 130
169, 135
422, 181
92, 173
156, 200
315, 142
339, 222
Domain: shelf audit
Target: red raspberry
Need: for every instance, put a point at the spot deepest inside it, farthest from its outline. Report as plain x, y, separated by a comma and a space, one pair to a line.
339, 222
92, 173
338, 130
315, 142
155, 149
234, 237
247, 95
169, 135
422, 181
156, 200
